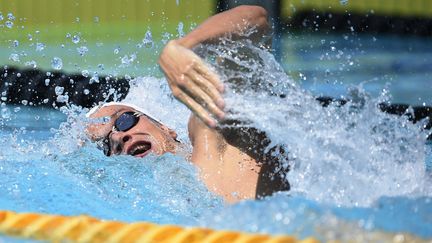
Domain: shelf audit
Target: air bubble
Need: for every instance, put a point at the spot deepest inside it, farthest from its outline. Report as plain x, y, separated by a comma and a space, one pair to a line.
15, 43
86, 91
47, 81
57, 63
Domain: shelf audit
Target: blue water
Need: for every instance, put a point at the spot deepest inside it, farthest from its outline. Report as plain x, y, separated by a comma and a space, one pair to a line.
353, 172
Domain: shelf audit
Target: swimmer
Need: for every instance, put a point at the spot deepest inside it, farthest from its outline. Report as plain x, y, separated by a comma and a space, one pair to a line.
232, 162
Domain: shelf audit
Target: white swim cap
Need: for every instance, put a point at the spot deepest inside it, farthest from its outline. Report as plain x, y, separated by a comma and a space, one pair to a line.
139, 109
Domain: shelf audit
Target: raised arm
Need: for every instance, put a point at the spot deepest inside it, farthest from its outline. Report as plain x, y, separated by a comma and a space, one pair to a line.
190, 79
234, 22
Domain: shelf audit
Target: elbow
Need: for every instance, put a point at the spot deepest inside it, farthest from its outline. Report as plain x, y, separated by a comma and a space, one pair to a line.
255, 15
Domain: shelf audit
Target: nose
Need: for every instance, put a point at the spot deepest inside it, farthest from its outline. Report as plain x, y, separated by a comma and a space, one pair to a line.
118, 140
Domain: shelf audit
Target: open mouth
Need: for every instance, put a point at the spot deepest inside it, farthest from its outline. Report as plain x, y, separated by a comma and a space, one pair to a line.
141, 149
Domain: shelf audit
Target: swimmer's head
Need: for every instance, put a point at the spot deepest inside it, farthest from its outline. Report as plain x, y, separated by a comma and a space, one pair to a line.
120, 128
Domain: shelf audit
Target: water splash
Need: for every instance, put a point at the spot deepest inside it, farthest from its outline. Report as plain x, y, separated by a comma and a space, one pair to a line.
350, 155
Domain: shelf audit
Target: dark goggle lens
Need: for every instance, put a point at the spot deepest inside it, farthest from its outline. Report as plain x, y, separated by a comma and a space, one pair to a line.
126, 121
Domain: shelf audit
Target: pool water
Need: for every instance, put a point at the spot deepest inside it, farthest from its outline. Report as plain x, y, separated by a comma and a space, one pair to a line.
354, 169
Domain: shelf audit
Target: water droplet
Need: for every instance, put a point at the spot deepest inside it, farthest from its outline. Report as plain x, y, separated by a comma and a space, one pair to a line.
343, 2
85, 73
86, 91
40, 46
5, 113
94, 79
148, 39
30, 37
17, 109
177, 2
24, 102
9, 24
82, 50
14, 57
1, 17
47, 81
62, 98
351, 63
15, 43
11, 17
58, 90
128, 60
57, 63
68, 35
180, 29
117, 50
31, 63
96, 19
76, 39
333, 48
77, 19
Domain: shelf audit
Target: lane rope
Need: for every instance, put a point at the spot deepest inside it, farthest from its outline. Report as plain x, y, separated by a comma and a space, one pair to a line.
58, 228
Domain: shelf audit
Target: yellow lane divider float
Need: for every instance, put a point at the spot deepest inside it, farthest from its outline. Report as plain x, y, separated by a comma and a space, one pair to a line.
59, 228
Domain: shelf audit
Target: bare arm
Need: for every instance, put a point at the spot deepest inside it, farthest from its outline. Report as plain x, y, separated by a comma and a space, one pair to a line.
234, 22
190, 79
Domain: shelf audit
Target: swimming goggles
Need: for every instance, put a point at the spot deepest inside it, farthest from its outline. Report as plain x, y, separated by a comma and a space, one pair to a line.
123, 123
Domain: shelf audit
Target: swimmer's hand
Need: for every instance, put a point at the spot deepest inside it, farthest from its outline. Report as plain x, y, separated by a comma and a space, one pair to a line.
193, 83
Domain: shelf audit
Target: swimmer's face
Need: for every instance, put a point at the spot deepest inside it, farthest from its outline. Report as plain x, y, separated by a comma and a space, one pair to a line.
127, 131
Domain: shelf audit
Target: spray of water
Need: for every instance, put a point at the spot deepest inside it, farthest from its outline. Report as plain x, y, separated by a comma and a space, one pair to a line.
345, 155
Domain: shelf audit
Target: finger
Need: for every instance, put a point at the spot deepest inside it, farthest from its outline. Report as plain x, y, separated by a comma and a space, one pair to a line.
204, 100
207, 73
197, 109
207, 87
